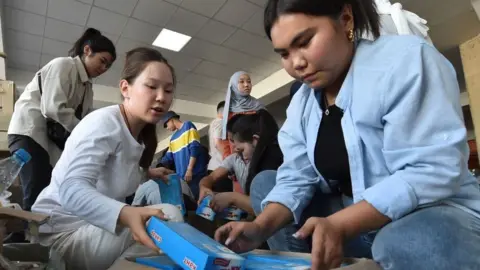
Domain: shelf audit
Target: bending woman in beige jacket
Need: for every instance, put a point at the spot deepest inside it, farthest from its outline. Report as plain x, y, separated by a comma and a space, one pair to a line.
52, 104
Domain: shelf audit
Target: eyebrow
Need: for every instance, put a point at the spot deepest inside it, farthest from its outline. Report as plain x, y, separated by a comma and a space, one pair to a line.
295, 40
159, 81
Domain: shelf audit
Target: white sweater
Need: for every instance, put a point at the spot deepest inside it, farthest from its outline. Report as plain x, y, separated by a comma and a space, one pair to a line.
97, 170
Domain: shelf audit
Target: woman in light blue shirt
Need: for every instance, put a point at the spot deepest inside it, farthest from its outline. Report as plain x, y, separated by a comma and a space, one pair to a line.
394, 104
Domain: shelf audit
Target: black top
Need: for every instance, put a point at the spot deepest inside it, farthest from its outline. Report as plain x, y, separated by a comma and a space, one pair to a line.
331, 157
270, 158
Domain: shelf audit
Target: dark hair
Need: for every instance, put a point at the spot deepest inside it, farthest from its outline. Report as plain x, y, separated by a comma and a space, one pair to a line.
233, 120
265, 127
135, 62
97, 42
365, 16
220, 105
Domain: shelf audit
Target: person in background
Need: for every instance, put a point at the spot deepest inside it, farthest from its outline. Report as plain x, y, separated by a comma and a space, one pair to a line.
185, 151
369, 169
256, 149
238, 101
106, 158
394, 20
61, 92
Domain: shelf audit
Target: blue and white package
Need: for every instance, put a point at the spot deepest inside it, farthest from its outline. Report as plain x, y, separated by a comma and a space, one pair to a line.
161, 262
232, 213
191, 249
204, 209
171, 193
272, 261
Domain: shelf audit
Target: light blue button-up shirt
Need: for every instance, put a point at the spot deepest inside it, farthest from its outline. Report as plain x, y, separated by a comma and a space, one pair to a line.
403, 129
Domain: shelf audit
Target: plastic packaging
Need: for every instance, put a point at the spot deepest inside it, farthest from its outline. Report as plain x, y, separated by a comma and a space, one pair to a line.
204, 209
9, 169
171, 192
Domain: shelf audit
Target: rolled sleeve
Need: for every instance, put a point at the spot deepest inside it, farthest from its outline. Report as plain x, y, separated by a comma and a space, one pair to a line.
425, 144
296, 177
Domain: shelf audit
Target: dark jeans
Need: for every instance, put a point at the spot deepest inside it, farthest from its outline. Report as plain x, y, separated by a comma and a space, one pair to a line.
35, 174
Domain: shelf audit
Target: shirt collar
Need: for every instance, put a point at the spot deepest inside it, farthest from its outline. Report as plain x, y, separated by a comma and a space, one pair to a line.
82, 72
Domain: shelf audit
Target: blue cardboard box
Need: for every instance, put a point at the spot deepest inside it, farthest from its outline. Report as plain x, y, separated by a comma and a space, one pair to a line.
272, 261
191, 249
161, 262
171, 193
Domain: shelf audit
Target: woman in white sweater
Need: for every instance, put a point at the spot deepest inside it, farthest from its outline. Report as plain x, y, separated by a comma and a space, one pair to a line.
90, 225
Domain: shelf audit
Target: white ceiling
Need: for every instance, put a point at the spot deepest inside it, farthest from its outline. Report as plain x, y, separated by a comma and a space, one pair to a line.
227, 36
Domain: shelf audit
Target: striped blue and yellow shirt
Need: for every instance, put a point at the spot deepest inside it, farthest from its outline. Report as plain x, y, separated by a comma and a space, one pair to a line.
185, 143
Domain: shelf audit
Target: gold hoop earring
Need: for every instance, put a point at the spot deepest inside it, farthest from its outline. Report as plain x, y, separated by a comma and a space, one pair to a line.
351, 36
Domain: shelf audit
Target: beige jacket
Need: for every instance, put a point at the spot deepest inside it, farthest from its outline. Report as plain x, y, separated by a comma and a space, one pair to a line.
64, 84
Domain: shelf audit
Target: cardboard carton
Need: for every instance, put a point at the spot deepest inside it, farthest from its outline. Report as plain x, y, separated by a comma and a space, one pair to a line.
7, 97
171, 192
190, 248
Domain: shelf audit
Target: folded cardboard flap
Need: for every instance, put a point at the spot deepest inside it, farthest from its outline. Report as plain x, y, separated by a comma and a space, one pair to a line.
7, 212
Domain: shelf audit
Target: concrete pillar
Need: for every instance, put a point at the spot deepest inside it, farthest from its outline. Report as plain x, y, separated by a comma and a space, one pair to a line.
3, 66
470, 52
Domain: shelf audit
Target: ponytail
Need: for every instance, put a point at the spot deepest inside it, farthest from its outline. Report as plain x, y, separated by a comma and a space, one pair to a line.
97, 42
148, 136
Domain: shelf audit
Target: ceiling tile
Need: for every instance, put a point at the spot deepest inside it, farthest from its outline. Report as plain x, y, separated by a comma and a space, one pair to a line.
141, 31
124, 45
176, 2
186, 22
56, 48
255, 23
24, 60
251, 44
124, 7
21, 40
454, 32
216, 32
204, 7
180, 60
209, 51
180, 74
69, 11
24, 21
37, 6
436, 12
204, 82
90, 2
106, 21
260, 3
155, 12
214, 70
197, 92
62, 31
45, 58
236, 12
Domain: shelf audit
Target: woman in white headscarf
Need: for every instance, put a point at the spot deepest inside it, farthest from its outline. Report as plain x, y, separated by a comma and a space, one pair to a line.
394, 20
238, 101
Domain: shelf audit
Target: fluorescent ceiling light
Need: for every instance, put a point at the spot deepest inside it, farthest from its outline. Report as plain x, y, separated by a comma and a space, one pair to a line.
171, 40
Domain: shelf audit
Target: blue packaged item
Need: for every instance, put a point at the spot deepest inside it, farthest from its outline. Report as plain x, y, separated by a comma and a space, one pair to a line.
204, 209
161, 262
272, 261
171, 193
191, 249
232, 213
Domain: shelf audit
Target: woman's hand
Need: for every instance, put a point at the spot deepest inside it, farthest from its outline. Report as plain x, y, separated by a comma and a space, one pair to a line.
160, 173
135, 219
188, 175
240, 236
327, 242
222, 200
204, 192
